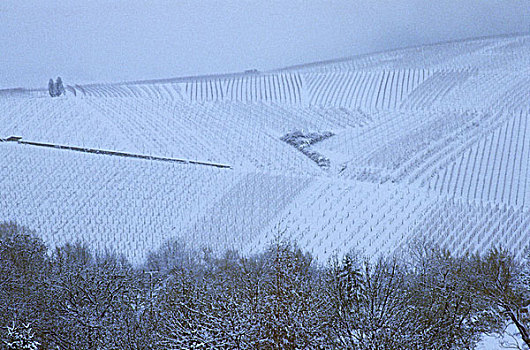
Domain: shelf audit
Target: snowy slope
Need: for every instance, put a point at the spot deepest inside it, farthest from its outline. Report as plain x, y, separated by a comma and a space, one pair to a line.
428, 143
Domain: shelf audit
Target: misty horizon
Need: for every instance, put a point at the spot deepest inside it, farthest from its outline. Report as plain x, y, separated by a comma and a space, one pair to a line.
102, 41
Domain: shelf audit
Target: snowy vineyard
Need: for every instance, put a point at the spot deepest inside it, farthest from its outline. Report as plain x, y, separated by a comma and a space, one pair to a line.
428, 143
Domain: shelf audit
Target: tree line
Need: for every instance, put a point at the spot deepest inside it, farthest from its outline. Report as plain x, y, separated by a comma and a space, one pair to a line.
183, 298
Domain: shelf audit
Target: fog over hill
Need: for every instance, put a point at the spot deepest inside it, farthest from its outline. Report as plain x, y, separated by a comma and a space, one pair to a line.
357, 127
124, 40
367, 153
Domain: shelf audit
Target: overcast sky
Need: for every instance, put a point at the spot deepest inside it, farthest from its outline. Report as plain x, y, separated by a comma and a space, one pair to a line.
119, 40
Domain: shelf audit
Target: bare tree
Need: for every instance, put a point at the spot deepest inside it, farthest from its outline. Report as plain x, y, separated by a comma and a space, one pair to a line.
504, 284
371, 305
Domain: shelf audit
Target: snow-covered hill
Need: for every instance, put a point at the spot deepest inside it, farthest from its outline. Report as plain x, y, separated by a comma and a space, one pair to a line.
430, 142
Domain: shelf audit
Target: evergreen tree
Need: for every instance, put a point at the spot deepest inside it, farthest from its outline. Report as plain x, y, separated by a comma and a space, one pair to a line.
51, 88
59, 88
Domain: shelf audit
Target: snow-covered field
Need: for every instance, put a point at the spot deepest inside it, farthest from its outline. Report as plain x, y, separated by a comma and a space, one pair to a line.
430, 142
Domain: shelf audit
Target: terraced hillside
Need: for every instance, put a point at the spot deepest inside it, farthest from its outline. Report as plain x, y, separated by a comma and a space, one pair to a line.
365, 153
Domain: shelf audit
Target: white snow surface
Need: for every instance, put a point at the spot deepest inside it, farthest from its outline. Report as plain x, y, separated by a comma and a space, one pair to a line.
429, 143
